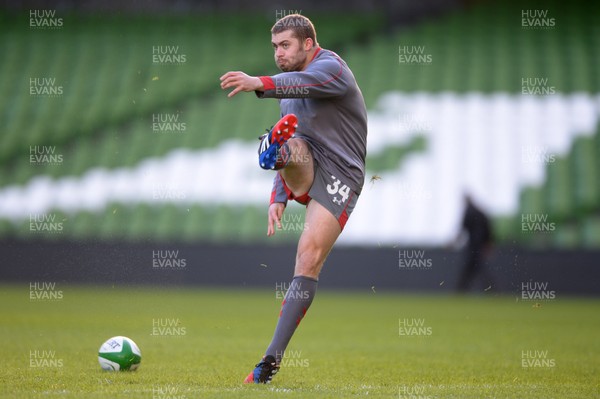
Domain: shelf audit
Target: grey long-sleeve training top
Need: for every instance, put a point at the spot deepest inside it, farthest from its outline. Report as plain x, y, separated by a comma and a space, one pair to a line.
331, 113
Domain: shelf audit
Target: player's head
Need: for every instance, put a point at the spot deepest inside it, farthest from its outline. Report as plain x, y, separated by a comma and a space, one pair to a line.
293, 37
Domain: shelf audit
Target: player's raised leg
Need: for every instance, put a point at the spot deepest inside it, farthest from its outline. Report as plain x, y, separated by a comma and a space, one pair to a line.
272, 152
299, 172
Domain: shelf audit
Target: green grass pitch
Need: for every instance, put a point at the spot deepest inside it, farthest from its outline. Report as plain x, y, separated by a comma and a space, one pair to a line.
201, 343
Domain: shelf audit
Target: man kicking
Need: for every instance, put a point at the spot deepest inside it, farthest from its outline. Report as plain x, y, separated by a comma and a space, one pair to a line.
320, 163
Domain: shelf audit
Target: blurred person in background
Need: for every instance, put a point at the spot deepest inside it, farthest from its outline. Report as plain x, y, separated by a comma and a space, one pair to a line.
478, 247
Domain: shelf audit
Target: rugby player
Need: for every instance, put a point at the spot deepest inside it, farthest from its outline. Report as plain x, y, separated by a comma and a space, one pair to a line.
320, 163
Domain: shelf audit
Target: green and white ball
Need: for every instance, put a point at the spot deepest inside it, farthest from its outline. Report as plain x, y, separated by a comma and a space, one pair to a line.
119, 354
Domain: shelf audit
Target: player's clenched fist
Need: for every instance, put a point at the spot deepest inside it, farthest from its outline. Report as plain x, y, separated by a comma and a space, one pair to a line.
275, 212
241, 82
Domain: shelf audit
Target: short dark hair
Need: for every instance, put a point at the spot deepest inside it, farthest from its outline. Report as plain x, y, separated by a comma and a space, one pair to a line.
302, 28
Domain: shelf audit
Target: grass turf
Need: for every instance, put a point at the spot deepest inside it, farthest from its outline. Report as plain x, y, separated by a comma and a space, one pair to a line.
349, 345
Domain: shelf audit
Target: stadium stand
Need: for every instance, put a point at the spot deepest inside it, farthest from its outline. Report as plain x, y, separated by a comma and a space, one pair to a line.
113, 90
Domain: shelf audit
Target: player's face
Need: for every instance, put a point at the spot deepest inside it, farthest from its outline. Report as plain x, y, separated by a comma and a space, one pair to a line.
290, 54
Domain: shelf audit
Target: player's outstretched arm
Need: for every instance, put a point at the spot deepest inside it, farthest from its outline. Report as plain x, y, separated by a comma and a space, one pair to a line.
240, 82
275, 213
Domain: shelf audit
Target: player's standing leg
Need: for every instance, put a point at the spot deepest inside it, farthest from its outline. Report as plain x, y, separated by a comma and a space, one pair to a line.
313, 248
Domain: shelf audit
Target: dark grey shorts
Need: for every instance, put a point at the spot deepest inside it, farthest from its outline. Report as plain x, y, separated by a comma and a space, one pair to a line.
331, 192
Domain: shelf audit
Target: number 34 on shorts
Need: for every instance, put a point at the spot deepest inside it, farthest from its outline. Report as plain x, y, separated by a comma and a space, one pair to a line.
339, 194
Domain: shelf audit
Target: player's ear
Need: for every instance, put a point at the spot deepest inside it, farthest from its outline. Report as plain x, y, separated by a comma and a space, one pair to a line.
308, 44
